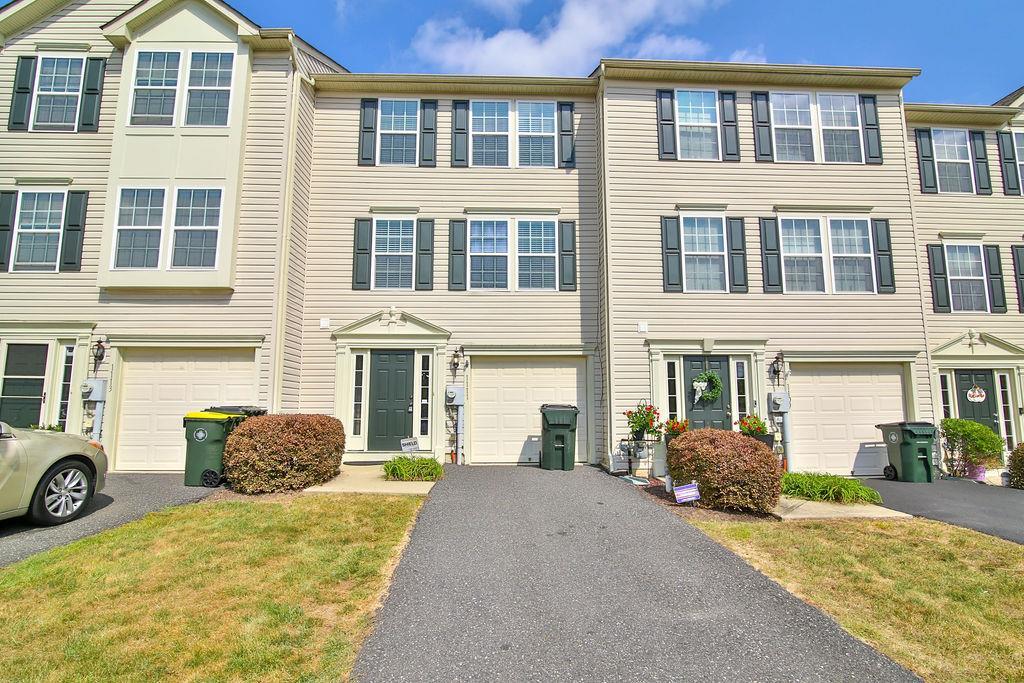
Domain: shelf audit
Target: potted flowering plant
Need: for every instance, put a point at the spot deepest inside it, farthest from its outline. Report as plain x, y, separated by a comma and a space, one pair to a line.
754, 427
643, 420
674, 428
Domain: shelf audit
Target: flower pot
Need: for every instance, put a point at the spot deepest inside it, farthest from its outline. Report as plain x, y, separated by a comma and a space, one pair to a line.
669, 437
767, 439
639, 434
976, 472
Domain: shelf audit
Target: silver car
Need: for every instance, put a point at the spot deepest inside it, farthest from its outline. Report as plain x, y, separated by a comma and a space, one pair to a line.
49, 476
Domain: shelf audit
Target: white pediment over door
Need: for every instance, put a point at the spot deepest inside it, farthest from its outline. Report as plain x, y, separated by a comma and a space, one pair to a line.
391, 323
978, 345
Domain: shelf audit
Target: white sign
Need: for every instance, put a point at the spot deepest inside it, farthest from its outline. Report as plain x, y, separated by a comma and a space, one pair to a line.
410, 445
976, 394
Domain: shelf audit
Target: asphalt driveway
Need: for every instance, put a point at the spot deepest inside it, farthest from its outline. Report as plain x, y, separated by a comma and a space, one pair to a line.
527, 575
994, 510
125, 497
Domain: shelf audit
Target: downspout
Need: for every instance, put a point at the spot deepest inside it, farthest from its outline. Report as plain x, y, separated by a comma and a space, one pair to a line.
609, 382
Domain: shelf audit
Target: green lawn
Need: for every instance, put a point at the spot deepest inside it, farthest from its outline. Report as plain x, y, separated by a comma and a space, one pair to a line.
943, 601
248, 590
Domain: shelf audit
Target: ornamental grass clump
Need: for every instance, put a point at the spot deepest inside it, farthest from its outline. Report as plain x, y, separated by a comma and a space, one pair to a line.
274, 453
733, 471
829, 488
406, 468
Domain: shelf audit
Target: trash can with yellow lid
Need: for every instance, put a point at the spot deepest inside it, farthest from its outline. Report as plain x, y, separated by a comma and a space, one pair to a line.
205, 435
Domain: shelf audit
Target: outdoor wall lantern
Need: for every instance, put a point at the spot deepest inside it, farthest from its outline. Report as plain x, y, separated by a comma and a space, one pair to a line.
99, 351
457, 355
777, 368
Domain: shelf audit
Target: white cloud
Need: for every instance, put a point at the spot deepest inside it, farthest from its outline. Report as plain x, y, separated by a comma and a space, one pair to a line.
506, 9
570, 41
340, 7
750, 54
660, 46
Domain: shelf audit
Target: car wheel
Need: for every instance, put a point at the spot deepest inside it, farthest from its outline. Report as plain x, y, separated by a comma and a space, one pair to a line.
62, 493
889, 472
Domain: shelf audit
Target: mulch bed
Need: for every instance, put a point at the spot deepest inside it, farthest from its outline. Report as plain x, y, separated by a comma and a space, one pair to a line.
689, 512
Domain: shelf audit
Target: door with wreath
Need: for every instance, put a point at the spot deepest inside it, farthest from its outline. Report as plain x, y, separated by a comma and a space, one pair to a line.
706, 386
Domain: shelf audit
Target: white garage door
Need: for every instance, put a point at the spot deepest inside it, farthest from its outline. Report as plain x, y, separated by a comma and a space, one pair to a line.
159, 386
505, 396
835, 408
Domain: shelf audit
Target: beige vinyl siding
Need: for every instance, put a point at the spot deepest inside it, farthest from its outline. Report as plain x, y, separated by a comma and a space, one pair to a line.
343, 191
641, 189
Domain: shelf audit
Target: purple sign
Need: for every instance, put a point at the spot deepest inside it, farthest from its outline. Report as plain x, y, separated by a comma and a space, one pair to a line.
687, 493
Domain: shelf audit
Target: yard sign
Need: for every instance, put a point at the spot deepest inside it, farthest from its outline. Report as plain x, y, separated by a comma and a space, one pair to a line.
687, 493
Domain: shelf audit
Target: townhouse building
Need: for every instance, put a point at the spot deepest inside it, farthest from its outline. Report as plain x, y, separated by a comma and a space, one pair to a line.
197, 210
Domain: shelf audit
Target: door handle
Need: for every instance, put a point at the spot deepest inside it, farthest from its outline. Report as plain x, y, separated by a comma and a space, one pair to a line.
410, 405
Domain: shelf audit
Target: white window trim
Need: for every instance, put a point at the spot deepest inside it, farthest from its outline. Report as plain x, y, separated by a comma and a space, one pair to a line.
969, 162
734, 362
1018, 159
364, 393
184, 68
418, 401
162, 228
870, 256
679, 125
515, 248
724, 253
373, 253
983, 277
824, 255
174, 229
512, 135
36, 93
1000, 377
828, 255
510, 253
553, 135
822, 127
18, 231
672, 373
416, 133
950, 393
813, 127
134, 87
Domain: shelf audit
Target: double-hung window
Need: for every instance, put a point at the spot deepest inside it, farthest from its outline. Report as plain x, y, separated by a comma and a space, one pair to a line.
792, 126
38, 231
953, 160
535, 122
196, 226
140, 220
1018, 143
967, 287
853, 269
399, 126
840, 128
58, 93
490, 132
827, 254
803, 255
156, 89
537, 261
697, 120
209, 88
393, 253
704, 262
488, 254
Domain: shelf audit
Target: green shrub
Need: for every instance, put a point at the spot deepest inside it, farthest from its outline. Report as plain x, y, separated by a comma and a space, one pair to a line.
1015, 466
733, 471
405, 468
273, 453
969, 444
827, 487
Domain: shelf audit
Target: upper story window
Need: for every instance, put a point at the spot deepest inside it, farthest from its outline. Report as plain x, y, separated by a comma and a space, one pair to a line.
209, 88
393, 241
488, 254
523, 251
139, 227
697, 124
792, 126
399, 126
155, 89
953, 160
967, 286
58, 93
40, 218
816, 259
196, 227
853, 269
157, 83
1018, 141
704, 262
536, 140
840, 128
537, 261
490, 133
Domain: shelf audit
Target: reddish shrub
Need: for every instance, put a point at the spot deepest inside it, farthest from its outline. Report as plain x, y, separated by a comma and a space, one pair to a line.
274, 453
733, 471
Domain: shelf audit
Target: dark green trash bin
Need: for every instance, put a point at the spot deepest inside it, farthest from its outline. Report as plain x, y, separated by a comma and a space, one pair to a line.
247, 411
558, 436
205, 435
910, 446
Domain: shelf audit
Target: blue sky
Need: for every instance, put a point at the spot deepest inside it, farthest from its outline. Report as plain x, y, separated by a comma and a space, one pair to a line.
969, 52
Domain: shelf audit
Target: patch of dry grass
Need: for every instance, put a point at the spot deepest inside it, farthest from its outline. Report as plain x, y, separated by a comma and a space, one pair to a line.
943, 601
259, 590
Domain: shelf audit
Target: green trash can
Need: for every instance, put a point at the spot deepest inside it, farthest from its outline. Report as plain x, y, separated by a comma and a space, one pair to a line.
558, 436
205, 435
910, 446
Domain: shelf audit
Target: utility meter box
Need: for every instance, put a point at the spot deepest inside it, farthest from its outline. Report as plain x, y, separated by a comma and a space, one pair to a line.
778, 401
454, 395
94, 390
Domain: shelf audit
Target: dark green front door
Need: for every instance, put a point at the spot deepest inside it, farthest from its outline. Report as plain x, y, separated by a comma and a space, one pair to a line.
981, 410
391, 376
701, 413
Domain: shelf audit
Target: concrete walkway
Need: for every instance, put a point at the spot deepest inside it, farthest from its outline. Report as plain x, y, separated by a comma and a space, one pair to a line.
521, 574
795, 509
370, 478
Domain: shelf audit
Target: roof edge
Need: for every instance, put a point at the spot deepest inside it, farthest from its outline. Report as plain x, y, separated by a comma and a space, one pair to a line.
653, 69
964, 114
453, 83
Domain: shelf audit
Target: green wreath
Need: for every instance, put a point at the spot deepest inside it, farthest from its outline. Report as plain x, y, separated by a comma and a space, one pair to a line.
714, 390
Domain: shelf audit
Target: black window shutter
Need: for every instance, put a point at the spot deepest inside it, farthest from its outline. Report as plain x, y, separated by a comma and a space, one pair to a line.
460, 137
428, 133
872, 133
762, 127
368, 132
567, 256
737, 256
979, 156
994, 274
566, 143
771, 256
362, 253
74, 232
92, 93
666, 105
425, 253
730, 129
926, 161
1008, 162
940, 280
884, 272
671, 254
457, 255
1018, 273
21, 99
8, 204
